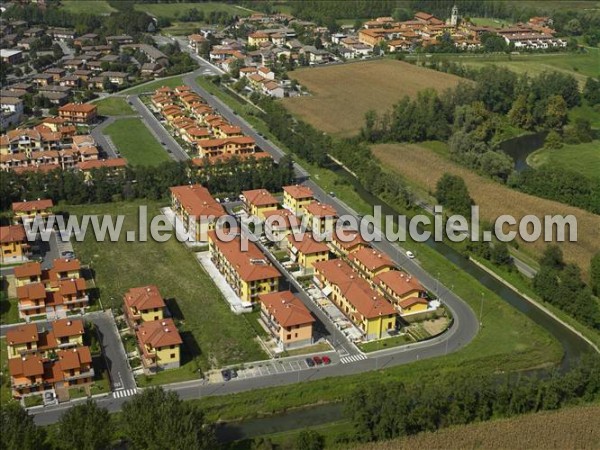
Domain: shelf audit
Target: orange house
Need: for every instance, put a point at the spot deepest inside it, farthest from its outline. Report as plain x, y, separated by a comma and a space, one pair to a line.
289, 321
82, 113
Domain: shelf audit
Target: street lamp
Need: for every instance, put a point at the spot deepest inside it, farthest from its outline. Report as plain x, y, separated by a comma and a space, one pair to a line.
481, 311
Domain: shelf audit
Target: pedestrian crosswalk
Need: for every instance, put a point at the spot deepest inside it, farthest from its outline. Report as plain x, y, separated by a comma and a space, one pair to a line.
124, 393
352, 358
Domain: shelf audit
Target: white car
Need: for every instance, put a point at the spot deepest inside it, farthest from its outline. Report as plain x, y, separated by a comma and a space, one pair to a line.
410, 255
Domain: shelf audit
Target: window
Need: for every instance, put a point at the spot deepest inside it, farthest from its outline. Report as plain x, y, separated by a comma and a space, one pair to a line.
295, 335
289, 336
172, 355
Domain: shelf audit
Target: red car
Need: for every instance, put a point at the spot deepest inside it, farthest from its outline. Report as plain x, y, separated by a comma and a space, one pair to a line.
326, 360
317, 360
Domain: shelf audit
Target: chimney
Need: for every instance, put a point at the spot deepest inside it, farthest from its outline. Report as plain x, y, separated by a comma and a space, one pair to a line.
69, 323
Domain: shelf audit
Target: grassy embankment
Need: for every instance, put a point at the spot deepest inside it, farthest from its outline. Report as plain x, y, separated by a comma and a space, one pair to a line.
135, 142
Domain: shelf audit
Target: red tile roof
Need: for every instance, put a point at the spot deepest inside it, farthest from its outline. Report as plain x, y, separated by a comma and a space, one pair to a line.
196, 200
29, 269
27, 366
12, 233
66, 265
287, 309
144, 298
67, 327
32, 291
318, 209
158, 333
298, 191
22, 334
32, 205
74, 358
399, 282
413, 301
307, 244
371, 258
259, 197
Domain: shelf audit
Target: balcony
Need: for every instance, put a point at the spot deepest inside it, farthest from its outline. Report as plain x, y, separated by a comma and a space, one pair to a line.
28, 306
88, 374
71, 301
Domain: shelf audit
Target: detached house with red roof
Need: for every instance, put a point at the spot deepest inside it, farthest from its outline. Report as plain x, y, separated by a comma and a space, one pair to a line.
288, 320
143, 304
258, 202
297, 197
14, 245
159, 343
26, 211
306, 251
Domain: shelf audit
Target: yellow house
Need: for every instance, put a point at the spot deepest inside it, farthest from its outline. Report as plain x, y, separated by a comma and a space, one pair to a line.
65, 269
28, 273
279, 224
344, 242
247, 272
143, 304
369, 311
321, 217
297, 197
28, 210
68, 332
413, 305
13, 243
257, 38
306, 251
22, 340
196, 208
258, 202
159, 343
398, 285
369, 262
288, 320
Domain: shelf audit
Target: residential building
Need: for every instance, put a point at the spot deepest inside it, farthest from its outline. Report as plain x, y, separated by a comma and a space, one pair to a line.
143, 304
288, 320
26, 211
235, 145
159, 343
370, 262
398, 286
248, 272
346, 241
27, 273
296, 198
78, 113
197, 209
413, 305
306, 251
258, 202
279, 224
321, 217
257, 38
11, 56
13, 244
369, 311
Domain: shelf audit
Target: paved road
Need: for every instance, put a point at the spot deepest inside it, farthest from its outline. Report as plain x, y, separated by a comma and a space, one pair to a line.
104, 140
160, 133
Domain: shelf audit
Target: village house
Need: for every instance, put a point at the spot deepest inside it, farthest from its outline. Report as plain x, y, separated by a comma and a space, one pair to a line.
288, 320
159, 343
296, 198
247, 272
26, 211
27, 273
197, 210
321, 217
364, 306
279, 224
398, 286
306, 251
346, 241
233, 145
143, 304
78, 113
370, 262
13, 243
259, 201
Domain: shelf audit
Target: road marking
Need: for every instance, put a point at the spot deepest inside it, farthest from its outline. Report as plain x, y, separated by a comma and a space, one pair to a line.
124, 393
353, 358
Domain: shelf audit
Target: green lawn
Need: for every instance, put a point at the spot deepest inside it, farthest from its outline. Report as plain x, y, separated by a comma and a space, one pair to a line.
213, 335
9, 311
136, 143
87, 6
175, 10
151, 87
114, 106
507, 341
488, 22
587, 112
5, 395
581, 158
385, 343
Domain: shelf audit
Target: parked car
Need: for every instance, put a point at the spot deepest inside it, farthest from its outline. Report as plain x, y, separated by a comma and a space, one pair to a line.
67, 254
310, 362
226, 373
318, 360
410, 255
226, 199
234, 373
326, 360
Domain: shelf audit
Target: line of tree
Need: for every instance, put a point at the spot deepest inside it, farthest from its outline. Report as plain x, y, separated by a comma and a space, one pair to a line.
380, 411
153, 420
562, 285
151, 182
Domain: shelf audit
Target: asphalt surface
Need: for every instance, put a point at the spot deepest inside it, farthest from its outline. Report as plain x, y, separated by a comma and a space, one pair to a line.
104, 140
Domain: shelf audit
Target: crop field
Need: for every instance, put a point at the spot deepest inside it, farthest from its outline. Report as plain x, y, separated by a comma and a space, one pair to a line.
342, 94
567, 428
424, 167
87, 6
174, 10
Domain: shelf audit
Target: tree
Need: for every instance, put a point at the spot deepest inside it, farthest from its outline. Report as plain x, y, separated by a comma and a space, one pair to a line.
520, 113
556, 112
553, 140
93, 424
591, 91
18, 429
497, 164
545, 283
452, 193
595, 274
309, 440
156, 419
553, 258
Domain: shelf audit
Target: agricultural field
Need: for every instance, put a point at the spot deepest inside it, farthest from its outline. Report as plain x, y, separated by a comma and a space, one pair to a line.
567, 428
213, 335
581, 158
342, 94
114, 106
136, 143
494, 199
174, 10
88, 6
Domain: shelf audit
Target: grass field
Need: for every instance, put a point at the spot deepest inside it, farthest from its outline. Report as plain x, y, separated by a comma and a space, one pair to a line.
136, 143
488, 22
342, 94
151, 87
9, 311
494, 199
87, 6
220, 337
5, 395
114, 106
577, 64
575, 427
174, 10
582, 158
